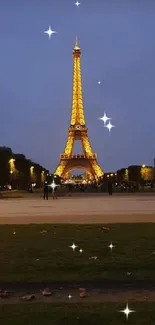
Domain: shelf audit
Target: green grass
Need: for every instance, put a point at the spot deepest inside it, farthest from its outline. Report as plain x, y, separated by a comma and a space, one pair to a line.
75, 314
133, 252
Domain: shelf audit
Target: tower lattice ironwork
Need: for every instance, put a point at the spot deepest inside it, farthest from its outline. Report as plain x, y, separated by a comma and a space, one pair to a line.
78, 130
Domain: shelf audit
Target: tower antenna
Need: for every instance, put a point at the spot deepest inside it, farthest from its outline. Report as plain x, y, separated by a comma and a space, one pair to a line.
76, 42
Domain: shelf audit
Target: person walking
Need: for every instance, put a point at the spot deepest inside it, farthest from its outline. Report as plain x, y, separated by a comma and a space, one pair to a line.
45, 191
110, 188
54, 193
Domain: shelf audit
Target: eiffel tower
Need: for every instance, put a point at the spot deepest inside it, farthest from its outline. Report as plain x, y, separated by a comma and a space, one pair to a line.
78, 131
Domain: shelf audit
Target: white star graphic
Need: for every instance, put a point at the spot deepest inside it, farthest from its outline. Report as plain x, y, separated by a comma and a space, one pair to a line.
69, 296
50, 32
111, 246
99, 82
53, 185
81, 250
105, 118
109, 126
73, 246
77, 3
127, 311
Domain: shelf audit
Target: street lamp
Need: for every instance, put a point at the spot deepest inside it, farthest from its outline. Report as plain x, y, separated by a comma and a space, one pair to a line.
31, 172
12, 168
12, 164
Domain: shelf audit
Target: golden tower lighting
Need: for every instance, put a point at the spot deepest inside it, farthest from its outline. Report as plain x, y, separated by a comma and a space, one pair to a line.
77, 130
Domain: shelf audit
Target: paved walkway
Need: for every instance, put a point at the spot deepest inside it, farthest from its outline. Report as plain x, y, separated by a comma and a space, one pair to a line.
95, 209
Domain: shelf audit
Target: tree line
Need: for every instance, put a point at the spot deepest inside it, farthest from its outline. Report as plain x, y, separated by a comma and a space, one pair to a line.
18, 171
139, 174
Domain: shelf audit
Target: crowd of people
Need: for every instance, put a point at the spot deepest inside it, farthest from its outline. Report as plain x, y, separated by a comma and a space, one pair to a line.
109, 187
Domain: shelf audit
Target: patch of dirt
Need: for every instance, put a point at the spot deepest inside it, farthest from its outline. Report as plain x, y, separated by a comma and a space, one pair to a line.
74, 296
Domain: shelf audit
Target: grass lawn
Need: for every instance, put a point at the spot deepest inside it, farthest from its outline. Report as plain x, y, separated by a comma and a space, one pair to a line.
71, 314
31, 256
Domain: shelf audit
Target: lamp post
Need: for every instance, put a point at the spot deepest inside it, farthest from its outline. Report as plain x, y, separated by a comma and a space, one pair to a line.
12, 169
31, 173
12, 164
42, 177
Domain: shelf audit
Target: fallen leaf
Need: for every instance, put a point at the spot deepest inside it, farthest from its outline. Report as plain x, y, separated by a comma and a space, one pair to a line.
83, 294
27, 297
93, 258
46, 292
3, 294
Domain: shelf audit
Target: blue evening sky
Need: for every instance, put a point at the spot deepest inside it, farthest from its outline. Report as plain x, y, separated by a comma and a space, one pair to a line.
117, 41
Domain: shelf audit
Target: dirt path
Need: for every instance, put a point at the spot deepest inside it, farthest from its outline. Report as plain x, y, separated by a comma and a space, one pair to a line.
97, 292
61, 296
81, 210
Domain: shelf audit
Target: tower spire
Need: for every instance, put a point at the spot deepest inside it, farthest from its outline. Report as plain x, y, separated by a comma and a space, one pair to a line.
77, 113
76, 42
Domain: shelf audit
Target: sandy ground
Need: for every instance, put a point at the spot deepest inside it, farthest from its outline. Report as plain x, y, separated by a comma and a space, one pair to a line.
82, 210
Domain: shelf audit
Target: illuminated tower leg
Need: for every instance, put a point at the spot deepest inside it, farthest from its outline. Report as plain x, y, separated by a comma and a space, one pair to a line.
69, 144
68, 151
87, 149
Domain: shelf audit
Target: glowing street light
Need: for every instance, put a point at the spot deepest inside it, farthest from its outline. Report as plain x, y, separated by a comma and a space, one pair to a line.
12, 165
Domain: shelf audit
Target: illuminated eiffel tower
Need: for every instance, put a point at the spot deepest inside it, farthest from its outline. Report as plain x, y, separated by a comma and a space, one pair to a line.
78, 131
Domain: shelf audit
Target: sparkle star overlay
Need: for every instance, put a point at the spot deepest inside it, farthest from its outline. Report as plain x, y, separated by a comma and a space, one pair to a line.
73, 247
127, 311
69, 296
105, 118
53, 185
77, 4
50, 32
111, 246
109, 126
